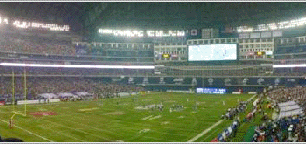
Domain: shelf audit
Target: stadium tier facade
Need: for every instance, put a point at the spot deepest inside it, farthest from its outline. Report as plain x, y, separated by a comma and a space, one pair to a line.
170, 52
207, 57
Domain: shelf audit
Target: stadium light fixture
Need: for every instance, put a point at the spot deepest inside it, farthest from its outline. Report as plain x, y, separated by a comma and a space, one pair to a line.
80, 66
288, 66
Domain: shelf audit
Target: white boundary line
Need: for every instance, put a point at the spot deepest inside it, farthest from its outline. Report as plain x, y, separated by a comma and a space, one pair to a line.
29, 132
77, 130
214, 132
205, 131
208, 129
61, 133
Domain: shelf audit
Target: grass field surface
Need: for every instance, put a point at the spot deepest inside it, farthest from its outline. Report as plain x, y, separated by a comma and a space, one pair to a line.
110, 120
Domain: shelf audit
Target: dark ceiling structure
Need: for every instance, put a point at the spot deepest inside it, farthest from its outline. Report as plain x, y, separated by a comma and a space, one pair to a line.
144, 15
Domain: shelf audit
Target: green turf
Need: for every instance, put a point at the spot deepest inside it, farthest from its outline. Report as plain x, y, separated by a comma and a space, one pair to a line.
113, 122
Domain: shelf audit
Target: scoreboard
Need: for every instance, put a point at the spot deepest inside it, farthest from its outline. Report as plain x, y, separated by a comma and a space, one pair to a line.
166, 56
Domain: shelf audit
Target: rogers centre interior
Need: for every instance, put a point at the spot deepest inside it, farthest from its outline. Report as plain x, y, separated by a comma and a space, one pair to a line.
152, 72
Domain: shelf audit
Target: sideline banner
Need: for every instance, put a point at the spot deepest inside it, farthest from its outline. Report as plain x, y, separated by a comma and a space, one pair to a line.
28, 102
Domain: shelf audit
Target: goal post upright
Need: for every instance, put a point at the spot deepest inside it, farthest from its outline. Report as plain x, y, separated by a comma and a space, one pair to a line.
16, 112
13, 90
25, 92
13, 100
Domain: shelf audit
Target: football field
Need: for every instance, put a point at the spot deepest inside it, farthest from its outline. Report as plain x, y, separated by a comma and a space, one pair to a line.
127, 119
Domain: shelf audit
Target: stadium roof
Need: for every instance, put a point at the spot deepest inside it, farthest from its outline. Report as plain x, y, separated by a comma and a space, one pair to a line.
194, 15
145, 15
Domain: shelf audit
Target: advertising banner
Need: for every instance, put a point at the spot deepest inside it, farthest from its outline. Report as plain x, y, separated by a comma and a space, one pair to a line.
291, 82
211, 90
153, 80
204, 82
257, 81
214, 82
230, 81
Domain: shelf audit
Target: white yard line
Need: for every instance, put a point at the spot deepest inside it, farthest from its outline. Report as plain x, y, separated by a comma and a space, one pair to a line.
147, 117
156, 117
77, 130
251, 97
131, 128
168, 133
61, 133
214, 132
181, 129
205, 131
29, 132
82, 115
101, 130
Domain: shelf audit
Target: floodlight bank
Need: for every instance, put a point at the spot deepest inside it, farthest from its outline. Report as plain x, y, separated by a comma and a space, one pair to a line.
80, 66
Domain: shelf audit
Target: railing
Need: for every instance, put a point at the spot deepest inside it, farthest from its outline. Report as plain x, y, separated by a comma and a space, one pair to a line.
289, 61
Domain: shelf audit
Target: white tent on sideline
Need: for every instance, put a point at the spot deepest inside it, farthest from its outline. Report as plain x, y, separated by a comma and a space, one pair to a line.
289, 108
83, 94
67, 95
48, 95
290, 113
289, 103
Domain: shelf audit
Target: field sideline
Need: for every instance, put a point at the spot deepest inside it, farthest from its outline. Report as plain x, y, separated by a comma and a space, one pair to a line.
110, 120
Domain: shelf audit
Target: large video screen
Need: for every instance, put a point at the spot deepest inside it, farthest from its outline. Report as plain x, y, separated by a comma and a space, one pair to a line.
212, 52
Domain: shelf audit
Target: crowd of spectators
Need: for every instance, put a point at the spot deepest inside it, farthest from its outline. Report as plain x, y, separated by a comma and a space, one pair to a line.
291, 128
58, 85
279, 128
18, 45
297, 94
132, 53
50, 46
